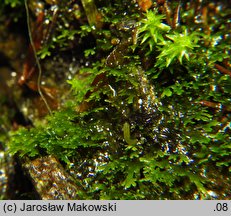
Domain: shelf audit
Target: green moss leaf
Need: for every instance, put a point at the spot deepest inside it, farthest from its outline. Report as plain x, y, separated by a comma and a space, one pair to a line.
167, 92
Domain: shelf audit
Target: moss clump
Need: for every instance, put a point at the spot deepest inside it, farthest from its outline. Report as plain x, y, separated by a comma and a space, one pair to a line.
147, 129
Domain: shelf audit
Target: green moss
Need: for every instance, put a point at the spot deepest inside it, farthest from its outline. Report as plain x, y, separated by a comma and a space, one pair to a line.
152, 29
13, 3
180, 46
145, 133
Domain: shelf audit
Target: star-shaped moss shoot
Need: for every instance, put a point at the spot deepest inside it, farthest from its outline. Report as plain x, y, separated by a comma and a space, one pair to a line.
179, 46
152, 29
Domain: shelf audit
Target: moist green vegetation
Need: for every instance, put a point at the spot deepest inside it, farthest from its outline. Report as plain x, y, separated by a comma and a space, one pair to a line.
146, 129
13, 3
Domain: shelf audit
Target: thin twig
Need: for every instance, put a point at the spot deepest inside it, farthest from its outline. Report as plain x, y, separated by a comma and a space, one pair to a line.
36, 58
222, 69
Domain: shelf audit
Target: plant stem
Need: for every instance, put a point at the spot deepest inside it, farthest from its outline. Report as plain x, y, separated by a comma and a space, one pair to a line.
36, 58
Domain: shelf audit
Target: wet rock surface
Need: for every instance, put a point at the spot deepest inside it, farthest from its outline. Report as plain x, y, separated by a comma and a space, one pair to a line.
50, 179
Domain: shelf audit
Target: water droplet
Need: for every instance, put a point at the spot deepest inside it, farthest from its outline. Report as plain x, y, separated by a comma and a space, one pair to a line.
13, 74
